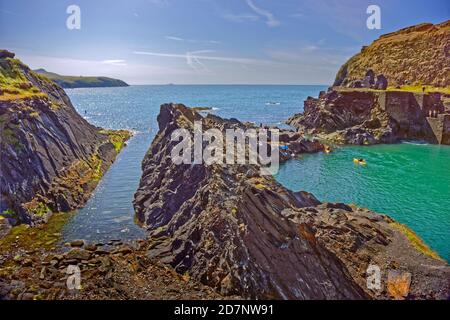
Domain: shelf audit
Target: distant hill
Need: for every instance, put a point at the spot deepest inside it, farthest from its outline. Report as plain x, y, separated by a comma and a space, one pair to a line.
81, 82
417, 55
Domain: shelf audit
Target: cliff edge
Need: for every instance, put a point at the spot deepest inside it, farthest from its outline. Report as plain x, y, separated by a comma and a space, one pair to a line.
244, 234
416, 56
397, 88
51, 158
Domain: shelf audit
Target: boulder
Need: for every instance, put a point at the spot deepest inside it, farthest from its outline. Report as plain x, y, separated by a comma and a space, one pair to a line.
381, 82
370, 78
6, 54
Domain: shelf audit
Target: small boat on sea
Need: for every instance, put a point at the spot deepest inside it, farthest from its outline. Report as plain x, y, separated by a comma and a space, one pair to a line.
360, 162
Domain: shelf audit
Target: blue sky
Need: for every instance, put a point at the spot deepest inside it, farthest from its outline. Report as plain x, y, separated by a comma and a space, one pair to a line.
203, 41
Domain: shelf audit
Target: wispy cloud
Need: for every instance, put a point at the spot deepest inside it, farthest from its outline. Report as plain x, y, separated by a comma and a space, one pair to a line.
196, 57
271, 21
116, 62
241, 17
174, 38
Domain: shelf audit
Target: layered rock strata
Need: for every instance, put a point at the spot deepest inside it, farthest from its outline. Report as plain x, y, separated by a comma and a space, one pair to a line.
243, 233
51, 158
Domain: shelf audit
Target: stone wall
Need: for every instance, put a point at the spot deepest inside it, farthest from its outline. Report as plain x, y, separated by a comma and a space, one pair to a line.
360, 116
446, 129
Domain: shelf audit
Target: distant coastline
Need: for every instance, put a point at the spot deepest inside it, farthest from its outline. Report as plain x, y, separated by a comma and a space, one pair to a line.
80, 81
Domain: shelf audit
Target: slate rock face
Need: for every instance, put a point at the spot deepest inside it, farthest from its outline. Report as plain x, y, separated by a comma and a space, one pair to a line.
52, 158
244, 234
381, 83
368, 117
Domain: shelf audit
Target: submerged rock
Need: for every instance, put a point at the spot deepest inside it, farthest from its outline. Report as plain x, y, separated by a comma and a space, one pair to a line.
243, 233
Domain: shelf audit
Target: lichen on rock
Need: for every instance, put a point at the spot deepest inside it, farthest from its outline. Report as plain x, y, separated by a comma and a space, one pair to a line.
51, 157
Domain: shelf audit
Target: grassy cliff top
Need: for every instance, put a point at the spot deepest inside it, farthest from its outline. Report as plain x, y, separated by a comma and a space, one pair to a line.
413, 56
80, 81
17, 81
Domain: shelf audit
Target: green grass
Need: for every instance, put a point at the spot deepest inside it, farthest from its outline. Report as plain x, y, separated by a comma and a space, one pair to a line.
80, 81
419, 89
117, 138
412, 89
14, 84
415, 240
43, 236
9, 213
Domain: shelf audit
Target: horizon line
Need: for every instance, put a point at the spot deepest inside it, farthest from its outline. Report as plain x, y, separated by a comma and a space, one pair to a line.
226, 84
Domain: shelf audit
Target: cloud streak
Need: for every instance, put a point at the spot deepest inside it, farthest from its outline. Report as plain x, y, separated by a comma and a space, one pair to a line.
173, 38
195, 55
271, 21
116, 62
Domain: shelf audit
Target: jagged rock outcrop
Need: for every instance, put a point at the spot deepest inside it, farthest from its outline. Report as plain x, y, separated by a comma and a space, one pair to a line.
368, 117
242, 233
370, 81
417, 55
51, 158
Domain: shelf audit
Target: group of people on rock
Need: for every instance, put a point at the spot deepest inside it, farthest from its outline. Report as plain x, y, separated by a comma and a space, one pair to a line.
433, 113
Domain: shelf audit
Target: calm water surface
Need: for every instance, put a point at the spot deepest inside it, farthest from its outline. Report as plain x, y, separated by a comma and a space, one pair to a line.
410, 182
109, 213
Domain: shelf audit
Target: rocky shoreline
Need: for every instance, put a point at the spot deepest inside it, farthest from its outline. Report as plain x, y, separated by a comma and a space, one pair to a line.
243, 233
382, 95
108, 271
365, 116
226, 233
52, 158
215, 231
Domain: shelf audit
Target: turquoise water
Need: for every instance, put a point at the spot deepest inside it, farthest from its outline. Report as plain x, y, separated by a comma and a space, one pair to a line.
409, 182
109, 213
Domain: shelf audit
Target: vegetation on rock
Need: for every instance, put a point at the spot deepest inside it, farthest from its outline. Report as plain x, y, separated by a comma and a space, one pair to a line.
80, 81
414, 56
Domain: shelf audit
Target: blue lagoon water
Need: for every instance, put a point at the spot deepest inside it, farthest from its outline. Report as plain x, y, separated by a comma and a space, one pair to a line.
109, 213
410, 182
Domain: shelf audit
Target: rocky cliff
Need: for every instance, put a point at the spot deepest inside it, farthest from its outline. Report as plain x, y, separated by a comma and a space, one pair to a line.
360, 108
243, 233
51, 158
415, 56
354, 116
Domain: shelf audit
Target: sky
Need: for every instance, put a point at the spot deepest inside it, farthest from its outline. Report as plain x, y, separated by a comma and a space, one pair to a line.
203, 41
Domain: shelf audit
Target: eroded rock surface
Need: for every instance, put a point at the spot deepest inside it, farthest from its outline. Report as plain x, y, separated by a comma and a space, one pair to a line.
416, 55
51, 158
242, 233
353, 116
